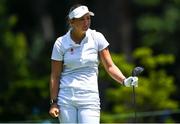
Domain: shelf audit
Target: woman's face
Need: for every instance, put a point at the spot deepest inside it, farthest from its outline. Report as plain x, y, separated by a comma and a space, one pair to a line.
81, 24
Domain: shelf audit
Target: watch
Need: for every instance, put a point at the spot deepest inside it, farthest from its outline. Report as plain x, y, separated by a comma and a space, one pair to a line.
52, 101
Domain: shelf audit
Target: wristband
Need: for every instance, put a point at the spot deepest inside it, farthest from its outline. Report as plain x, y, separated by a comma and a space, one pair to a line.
53, 101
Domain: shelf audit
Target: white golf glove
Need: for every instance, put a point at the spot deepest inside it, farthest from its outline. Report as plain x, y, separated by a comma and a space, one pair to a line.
131, 81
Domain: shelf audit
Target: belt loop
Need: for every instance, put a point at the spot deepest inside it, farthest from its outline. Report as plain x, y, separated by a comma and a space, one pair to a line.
72, 90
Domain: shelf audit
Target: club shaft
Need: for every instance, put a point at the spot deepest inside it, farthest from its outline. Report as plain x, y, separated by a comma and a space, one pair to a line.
134, 104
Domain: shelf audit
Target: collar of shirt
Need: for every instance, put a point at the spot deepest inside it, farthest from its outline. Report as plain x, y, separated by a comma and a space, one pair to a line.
84, 40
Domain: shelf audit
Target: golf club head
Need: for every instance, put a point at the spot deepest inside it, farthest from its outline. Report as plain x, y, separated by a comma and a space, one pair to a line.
137, 70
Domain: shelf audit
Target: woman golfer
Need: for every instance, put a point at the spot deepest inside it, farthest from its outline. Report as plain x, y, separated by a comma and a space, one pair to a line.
74, 70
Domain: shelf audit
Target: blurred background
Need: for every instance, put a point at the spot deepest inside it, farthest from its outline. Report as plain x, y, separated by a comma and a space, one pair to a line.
140, 32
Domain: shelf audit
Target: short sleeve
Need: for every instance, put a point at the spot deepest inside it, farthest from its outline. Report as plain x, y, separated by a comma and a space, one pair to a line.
57, 52
101, 41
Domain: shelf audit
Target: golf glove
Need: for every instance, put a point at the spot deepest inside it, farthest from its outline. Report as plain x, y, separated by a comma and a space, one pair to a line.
131, 81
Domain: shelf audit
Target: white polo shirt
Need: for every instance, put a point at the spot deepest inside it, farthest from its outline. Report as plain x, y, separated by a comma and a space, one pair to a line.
80, 60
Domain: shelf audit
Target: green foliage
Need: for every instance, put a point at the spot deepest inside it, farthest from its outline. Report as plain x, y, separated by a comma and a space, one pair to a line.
2, 7
22, 94
150, 23
171, 18
150, 61
157, 24
177, 2
159, 28
24, 67
148, 3
153, 93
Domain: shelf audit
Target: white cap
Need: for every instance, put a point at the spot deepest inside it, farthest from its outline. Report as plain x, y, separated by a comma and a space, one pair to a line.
79, 12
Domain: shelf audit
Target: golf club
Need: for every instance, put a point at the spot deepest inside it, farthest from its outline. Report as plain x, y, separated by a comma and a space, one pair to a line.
136, 71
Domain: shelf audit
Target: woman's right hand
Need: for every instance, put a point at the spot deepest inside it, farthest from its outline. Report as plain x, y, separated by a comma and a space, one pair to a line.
54, 110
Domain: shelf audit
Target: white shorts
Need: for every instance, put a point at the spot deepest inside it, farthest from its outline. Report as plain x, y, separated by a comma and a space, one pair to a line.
79, 106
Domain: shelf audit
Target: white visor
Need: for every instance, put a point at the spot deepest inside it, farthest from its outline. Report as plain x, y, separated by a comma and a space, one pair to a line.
79, 12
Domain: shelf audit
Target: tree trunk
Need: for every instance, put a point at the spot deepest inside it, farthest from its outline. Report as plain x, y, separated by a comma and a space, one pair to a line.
117, 25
